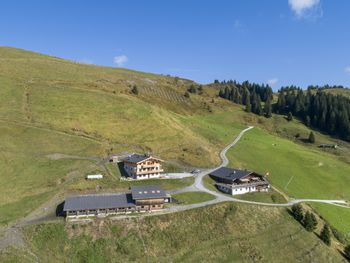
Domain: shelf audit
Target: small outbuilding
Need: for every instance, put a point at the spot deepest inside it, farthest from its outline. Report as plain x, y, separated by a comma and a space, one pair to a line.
94, 176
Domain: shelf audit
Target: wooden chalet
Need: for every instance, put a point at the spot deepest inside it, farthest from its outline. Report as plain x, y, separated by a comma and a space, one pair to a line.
234, 181
139, 166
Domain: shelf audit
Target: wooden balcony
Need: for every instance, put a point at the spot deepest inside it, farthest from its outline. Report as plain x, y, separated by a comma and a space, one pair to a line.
149, 172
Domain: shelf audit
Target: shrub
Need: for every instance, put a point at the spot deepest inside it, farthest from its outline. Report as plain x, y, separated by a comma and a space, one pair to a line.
135, 90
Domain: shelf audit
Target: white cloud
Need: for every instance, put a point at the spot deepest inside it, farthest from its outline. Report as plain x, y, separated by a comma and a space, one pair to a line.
306, 8
347, 70
272, 82
120, 60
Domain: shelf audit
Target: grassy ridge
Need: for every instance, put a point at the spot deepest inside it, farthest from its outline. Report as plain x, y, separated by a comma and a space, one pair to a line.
220, 233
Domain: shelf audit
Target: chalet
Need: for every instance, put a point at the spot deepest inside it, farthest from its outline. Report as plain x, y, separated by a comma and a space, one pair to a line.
233, 181
140, 199
139, 166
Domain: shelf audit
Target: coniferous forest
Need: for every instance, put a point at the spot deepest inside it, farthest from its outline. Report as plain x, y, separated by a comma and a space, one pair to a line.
249, 94
315, 107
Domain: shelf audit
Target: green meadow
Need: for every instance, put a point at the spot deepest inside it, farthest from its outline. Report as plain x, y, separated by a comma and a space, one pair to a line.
297, 170
224, 232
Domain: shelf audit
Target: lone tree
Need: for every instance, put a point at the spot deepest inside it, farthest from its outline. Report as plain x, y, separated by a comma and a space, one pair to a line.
297, 212
135, 90
192, 89
310, 221
289, 116
347, 251
326, 235
268, 108
312, 137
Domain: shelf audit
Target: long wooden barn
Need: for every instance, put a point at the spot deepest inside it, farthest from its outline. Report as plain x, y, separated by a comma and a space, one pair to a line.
139, 199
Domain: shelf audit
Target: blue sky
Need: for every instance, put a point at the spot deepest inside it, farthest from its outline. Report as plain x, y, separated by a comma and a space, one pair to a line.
282, 42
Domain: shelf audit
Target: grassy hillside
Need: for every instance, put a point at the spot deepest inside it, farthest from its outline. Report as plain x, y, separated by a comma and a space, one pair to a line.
52, 106
60, 118
220, 233
343, 92
299, 171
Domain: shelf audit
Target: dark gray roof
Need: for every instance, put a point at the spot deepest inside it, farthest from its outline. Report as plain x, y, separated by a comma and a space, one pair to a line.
147, 192
229, 173
135, 158
100, 201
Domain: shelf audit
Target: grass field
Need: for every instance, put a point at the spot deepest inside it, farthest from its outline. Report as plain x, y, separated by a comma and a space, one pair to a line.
270, 197
220, 233
192, 197
53, 106
297, 170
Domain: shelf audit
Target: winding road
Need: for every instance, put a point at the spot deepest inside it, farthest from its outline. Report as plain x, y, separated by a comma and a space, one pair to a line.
219, 197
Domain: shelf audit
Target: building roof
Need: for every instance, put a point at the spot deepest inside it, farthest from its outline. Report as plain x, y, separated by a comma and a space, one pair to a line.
101, 201
136, 158
230, 174
147, 192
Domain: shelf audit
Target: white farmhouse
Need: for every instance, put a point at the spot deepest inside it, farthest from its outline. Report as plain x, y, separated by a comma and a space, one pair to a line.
235, 182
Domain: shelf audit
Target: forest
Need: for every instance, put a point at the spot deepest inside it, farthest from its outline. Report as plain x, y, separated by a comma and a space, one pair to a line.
315, 107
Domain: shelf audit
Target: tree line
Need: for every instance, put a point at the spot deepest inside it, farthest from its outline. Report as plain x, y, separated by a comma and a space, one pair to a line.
324, 111
249, 94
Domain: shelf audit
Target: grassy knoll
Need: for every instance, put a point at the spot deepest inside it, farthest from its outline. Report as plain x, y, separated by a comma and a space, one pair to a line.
192, 197
220, 233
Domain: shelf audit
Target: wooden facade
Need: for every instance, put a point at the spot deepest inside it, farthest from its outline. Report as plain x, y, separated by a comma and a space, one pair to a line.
143, 167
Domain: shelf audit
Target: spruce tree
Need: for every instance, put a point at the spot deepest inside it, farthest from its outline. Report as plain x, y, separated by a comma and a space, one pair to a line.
326, 235
312, 137
297, 212
268, 108
310, 221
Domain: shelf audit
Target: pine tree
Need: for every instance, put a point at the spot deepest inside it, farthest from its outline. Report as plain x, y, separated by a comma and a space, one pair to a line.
289, 116
326, 235
268, 108
258, 109
310, 221
247, 104
312, 137
307, 120
297, 212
